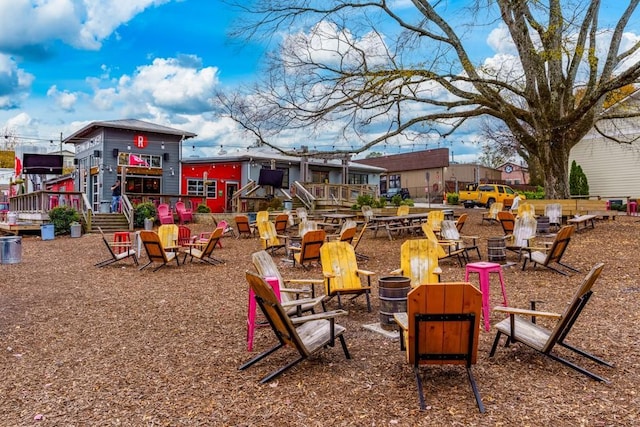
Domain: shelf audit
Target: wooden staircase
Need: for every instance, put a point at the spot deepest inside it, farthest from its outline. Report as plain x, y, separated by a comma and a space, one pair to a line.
109, 222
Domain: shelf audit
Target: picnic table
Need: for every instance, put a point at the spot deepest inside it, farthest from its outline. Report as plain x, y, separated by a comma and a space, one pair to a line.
334, 220
583, 220
410, 222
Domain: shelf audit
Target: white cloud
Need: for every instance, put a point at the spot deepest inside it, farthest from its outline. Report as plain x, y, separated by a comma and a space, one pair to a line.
14, 83
65, 100
28, 25
177, 85
500, 40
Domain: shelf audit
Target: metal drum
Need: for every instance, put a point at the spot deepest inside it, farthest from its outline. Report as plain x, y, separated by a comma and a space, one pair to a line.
393, 292
10, 250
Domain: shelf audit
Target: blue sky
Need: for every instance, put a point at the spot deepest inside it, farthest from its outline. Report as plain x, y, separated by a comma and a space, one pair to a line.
65, 63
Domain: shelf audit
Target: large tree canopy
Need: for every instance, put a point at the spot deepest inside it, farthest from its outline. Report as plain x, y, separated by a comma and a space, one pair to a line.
387, 71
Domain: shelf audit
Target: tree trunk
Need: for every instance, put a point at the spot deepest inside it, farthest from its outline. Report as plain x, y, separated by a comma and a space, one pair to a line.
556, 171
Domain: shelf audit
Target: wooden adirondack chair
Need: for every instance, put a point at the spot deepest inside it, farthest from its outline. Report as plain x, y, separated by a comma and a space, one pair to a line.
449, 232
492, 215
446, 249
523, 231
419, 261
269, 239
356, 241
461, 221
295, 300
441, 326
309, 250
281, 223
341, 273
123, 251
302, 214
184, 214
306, 334
402, 210
547, 255
168, 234
434, 219
262, 216
554, 212
243, 226
203, 251
165, 216
520, 329
155, 251
507, 221
184, 236
367, 213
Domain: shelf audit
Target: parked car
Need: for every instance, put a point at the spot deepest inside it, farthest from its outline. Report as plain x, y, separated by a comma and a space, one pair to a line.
391, 192
487, 194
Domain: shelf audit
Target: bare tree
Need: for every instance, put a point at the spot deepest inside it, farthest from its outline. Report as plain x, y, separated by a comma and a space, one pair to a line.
387, 74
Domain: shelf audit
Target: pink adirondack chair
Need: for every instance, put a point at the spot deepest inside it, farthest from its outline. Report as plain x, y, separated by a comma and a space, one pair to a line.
184, 215
164, 214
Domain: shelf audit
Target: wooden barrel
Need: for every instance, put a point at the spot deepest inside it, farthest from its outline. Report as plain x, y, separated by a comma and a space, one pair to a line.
543, 226
393, 292
496, 248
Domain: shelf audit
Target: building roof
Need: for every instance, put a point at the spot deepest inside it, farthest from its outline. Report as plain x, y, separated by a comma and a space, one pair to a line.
266, 154
417, 160
128, 124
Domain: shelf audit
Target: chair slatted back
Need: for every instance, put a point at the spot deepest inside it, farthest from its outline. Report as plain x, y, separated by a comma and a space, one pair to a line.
184, 235
349, 233
432, 236
301, 213
306, 225
168, 234
212, 242
310, 246
524, 229
554, 212
460, 222
367, 212
164, 214
449, 231
242, 224
268, 235
339, 262
507, 220
262, 216
442, 338
281, 223
275, 314
402, 210
573, 310
153, 246
560, 244
419, 260
435, 218
264, 264
494, 209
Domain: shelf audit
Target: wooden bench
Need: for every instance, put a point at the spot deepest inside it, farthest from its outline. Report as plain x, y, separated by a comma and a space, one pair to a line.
583, 220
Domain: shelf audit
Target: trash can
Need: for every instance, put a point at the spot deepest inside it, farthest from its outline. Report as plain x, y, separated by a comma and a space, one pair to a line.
105, 206
393, 291
12, 218
47, 231
252, 216
10, 249
76, 230
287, 204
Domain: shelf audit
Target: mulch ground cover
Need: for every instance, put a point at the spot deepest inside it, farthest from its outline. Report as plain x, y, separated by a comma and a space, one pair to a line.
116, 346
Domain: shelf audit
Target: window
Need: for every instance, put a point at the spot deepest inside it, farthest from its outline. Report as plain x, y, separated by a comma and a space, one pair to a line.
144, 160
394, 181
142, 185
358, 178
196, 187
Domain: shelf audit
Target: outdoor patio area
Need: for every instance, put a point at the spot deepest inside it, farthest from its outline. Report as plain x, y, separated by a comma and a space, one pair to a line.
82, 345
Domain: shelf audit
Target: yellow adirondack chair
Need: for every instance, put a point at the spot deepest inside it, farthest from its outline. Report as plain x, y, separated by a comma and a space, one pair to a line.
341, 273
434, 219
446, 249
168, 234
492, 215
262, 216
402, 210
526, 209
269, 239
419, 261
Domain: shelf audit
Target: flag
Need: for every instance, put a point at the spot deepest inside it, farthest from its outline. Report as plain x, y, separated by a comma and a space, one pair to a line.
137, 161
18, 167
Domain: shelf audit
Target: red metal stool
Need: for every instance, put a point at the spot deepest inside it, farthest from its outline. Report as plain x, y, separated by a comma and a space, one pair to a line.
251, 313
632, 208
122, 241
483, 269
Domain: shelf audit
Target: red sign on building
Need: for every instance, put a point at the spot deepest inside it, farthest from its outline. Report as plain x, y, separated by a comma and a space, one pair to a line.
140, 141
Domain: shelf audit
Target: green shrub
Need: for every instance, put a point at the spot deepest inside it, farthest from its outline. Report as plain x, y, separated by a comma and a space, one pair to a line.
62, 217
142, 211
202, 208
535, 195
453, 198
368, 200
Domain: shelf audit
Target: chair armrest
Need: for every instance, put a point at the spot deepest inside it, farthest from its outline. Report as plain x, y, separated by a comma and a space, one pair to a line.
296, 291
302, 301
437, 270
328, 275
365, 272
304, 281
318, 316
402, 319
396, 272
525, 312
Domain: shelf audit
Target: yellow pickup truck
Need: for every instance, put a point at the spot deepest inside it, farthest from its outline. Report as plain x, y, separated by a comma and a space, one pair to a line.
487, 194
